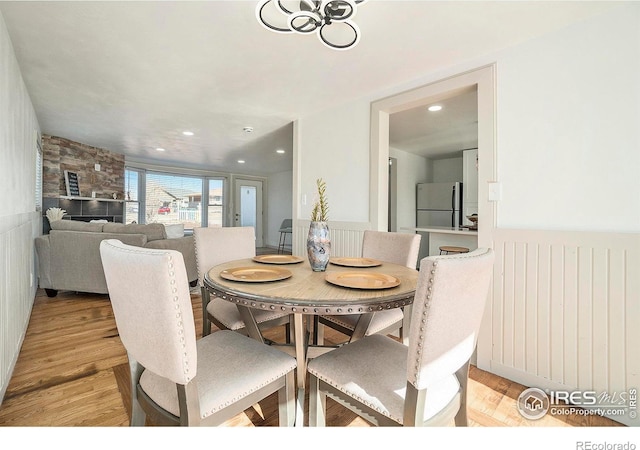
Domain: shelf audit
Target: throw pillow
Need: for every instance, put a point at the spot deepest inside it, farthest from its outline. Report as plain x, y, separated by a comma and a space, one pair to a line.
174, 230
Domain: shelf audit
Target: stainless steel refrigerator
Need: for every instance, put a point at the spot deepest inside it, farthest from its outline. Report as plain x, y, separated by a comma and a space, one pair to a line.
437, 205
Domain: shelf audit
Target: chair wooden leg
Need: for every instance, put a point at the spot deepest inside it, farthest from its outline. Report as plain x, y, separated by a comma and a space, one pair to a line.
318, 331
138, 416
317, 403
414, 402
206, 323
461, 419
280, 243
288, 330
287, 401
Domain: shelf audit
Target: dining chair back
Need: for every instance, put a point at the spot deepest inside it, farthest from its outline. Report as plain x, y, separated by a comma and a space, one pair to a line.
395, 248
424, 383
176, 379
217, 245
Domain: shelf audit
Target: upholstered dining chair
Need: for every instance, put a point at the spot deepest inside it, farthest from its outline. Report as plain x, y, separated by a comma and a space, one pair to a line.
219, 245
395, 248
424, 383
176, 379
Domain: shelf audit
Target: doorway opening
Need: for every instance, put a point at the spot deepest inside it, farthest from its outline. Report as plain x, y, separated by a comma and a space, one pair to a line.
484, 81
481, 80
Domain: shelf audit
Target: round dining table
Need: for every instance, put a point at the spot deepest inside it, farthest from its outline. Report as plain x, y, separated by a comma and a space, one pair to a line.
287, 283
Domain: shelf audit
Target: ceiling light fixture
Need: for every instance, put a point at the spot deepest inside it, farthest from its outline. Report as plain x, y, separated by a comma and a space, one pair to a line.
241, 161
434, 108
247, 129
280, 151
160, 149
330, 19
188, 133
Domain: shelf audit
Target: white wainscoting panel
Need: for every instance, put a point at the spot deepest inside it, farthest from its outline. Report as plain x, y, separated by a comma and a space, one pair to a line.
18, 281
565, 310
346, 238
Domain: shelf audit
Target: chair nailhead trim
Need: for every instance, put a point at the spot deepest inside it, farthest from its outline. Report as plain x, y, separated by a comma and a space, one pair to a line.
425, 314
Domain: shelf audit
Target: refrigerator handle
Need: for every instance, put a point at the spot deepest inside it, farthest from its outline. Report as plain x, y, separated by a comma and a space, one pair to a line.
453, 198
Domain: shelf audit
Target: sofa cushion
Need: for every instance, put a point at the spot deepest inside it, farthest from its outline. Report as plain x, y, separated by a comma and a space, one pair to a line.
76, 225
75, 259
153, 231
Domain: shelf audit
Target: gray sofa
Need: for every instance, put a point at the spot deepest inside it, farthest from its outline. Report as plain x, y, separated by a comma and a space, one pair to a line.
69, 256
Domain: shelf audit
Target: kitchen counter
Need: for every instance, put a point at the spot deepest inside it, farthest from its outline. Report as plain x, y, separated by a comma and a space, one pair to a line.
434, 237
446, 230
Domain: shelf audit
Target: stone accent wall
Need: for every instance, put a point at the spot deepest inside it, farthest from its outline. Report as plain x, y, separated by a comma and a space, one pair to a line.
61, 154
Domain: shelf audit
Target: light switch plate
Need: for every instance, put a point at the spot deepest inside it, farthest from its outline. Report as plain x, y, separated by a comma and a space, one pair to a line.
97, 167
495, 191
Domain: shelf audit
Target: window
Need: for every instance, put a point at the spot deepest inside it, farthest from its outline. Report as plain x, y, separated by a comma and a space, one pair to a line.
215, 204
132, 199
173, 199
169, 198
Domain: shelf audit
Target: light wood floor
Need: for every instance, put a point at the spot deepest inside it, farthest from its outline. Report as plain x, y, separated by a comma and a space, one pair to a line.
72, 371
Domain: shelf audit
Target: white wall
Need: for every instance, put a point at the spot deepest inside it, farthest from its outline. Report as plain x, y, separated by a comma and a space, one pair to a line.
19, 221
446, 169
567, 155
412, 169
567, 115
279, 200
334, 145
569, 127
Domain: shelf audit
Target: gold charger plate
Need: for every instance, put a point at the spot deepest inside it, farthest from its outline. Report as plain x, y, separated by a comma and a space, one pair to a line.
355, 262
278, 259
255, 274
362, 280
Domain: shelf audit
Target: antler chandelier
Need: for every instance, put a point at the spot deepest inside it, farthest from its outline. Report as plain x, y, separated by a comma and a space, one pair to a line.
330, 19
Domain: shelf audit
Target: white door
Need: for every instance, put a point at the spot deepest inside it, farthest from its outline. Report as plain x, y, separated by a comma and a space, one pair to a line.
248, 206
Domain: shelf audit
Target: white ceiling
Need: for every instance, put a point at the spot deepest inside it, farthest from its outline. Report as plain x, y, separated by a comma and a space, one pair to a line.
131, 76
439, 134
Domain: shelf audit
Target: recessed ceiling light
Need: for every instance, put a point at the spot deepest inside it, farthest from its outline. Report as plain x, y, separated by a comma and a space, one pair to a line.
188, 133
241, 161
434, 108
247, 129
280, 151
160, 149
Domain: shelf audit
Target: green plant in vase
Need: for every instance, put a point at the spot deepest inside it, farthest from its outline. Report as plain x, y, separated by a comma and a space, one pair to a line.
318, 242
320, 212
